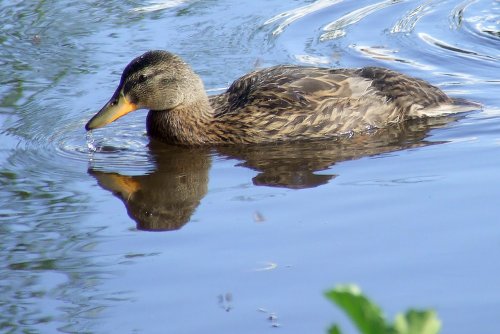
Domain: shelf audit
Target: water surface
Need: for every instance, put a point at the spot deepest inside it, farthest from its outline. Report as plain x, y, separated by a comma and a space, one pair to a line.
139, 237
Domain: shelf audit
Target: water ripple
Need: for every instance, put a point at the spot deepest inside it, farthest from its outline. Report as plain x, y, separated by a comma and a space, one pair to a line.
407, 23
484, 25
390, 55
159, 5
293, 15
460, 51
336, 29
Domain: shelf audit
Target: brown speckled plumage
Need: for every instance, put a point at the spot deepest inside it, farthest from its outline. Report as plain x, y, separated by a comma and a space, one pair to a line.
282, 103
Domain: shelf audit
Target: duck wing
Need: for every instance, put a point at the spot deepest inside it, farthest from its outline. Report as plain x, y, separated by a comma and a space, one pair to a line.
284, 87
284, 102
415, 97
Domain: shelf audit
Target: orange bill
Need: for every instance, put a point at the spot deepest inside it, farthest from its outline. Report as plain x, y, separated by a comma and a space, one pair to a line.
114, 109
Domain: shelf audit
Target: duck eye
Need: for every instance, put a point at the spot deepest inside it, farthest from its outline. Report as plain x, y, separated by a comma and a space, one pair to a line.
142, 78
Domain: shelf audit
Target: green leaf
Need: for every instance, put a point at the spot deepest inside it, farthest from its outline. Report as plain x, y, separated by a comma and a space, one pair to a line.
367, 316
417, 322
334, 330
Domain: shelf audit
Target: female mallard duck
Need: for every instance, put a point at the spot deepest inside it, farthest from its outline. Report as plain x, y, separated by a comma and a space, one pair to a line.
281, 103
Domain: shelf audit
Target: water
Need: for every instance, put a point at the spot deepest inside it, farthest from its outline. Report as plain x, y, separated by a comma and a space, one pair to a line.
409, 214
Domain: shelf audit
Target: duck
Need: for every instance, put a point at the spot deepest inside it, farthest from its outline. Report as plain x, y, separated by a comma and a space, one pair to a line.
277, 104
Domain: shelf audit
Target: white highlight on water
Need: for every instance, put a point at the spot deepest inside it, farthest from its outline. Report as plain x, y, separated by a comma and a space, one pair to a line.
159, 5
91, 142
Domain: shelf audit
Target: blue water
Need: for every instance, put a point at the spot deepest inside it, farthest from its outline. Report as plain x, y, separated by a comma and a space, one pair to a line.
136, 237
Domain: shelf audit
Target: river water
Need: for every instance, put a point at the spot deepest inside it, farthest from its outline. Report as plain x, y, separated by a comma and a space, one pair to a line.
112, 233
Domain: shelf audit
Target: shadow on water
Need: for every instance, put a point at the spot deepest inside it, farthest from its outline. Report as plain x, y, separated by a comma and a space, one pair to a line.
165, 199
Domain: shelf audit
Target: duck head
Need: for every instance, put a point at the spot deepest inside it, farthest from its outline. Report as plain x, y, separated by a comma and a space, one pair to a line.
157, 80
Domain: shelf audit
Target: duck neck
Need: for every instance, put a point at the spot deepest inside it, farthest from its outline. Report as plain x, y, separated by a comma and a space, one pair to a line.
187, 124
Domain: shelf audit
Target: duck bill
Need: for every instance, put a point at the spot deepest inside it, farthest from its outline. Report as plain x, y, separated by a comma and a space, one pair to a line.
117, 107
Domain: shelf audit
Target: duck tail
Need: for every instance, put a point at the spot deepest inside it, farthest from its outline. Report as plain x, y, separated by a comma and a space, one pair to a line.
465, 105
455, 106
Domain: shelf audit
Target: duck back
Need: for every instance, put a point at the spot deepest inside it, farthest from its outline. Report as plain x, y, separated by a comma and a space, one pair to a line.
294, 102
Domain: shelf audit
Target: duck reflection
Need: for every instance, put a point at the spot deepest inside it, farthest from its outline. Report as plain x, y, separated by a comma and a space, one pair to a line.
165, 199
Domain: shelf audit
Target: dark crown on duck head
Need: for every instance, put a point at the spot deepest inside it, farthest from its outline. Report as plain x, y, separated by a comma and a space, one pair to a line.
151, 58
